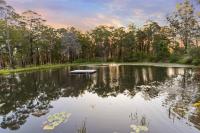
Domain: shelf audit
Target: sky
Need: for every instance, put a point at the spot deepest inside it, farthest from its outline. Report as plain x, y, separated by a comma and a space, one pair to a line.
87, 14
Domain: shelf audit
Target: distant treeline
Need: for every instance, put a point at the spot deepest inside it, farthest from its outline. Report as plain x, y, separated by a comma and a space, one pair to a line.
25, 39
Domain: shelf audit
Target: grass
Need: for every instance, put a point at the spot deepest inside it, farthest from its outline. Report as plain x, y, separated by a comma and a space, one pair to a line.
54, 66
41, 67
30, 68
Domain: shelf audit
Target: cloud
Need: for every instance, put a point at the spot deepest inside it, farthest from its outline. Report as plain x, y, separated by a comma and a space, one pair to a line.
86, 14
139, 17
101, 19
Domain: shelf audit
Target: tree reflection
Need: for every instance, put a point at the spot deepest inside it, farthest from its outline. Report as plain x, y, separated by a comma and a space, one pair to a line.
83, 128
138, 123
183, 91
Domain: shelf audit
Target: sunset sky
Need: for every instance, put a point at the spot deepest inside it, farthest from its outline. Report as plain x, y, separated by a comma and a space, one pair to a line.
86, 14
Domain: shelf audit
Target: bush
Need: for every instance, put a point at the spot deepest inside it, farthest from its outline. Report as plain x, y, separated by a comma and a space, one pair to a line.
160, 48
177, 53
186, 60
143, 57
134, 57
79, 61
85, 60
151, 59
196, 62
195, 54
174, 58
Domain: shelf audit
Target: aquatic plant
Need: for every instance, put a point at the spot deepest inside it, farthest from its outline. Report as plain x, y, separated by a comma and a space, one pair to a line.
82, 129
139, 128
140, 123
55, 120
197, 104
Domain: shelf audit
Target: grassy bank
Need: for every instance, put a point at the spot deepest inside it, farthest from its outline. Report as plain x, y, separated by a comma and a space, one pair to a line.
31, 68
42, 67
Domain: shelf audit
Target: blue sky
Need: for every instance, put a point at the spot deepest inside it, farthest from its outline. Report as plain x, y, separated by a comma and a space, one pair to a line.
86, 14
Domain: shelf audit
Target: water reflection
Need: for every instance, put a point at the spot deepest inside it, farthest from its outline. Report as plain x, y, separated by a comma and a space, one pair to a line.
182, 92
83, 128
22, 95
140, 124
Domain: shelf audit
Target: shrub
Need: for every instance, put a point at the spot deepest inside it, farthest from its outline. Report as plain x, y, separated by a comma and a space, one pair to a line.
185, 60
160, 48
174, 58
86, 60
135, 57
176, 54
195, 52
196, 62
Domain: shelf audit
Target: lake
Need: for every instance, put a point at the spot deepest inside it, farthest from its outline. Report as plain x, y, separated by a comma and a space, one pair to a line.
116, 99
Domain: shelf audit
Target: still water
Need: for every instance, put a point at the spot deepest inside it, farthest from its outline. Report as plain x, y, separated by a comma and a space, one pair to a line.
116, 99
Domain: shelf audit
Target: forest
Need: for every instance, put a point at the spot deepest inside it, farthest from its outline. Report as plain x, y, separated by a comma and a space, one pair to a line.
26, 40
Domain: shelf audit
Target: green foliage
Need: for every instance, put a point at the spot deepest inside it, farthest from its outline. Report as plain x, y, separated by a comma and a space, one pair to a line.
92, 60
174, 58
160, 47
195, 54
196, 62
139, 57
70, 45
185, 60
176, 54
184, 23
31, 68
192, 57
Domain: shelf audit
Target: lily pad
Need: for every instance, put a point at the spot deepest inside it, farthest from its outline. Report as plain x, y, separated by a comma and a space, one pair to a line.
137, 129
197, 104
55, 120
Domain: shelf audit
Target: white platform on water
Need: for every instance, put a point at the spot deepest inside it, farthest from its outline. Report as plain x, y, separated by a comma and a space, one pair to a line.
83, 71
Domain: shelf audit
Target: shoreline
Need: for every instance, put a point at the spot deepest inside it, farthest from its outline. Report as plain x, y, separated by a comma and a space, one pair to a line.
56, 66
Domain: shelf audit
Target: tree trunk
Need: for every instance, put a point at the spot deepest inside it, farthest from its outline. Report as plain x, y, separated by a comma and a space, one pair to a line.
31, 51
37, 57
1, 60
185, 44
10, 52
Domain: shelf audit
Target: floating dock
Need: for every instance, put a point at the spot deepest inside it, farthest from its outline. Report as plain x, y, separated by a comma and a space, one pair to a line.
83, 71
